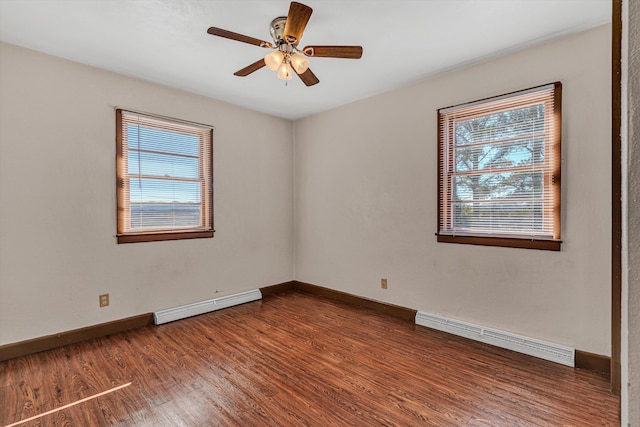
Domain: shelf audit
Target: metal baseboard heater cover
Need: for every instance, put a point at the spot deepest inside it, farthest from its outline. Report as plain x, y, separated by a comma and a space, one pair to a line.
531, 346
184, 311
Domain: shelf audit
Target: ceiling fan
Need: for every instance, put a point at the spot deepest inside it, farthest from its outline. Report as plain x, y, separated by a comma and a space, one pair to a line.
286, 32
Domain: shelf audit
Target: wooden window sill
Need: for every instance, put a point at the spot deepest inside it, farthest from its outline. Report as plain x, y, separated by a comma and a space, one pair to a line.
157, 237
507, 242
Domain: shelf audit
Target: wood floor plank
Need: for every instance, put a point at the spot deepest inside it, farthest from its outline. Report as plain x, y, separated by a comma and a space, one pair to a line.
298, 359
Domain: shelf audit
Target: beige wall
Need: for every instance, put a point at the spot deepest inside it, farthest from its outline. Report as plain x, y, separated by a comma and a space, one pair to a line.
58, 209
365, 202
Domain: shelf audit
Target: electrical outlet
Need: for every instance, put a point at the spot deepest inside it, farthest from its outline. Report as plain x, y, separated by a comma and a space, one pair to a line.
104, 300
383, 283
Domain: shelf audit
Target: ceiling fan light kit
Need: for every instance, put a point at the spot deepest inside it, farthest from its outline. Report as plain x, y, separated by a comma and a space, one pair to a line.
283, 60
286, 32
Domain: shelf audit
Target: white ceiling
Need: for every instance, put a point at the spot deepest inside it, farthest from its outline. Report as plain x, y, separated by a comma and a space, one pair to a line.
165, 41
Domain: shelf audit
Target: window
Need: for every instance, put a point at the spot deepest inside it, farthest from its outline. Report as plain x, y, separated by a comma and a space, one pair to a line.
499, 170
164, 178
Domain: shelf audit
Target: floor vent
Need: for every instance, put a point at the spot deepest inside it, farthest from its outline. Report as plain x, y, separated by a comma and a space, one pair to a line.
182, 312
531, 346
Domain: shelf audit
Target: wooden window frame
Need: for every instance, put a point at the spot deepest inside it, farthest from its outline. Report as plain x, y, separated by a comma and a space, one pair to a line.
552, 181
205, 168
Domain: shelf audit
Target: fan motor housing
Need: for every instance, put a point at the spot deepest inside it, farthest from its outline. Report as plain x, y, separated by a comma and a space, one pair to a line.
277, 29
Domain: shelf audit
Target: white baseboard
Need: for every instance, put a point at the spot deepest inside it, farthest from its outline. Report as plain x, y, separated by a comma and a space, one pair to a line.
531, 346
177, 313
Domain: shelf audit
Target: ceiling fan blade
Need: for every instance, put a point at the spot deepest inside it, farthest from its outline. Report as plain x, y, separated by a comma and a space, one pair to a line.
353, 52
308, 78
239, 37
250, 68
297, 19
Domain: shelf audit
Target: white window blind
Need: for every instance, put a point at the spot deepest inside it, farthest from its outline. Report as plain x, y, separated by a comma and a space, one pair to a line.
499, 166
165, 178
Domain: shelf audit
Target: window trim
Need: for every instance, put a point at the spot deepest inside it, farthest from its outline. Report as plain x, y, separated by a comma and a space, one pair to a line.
508, 240
160, 235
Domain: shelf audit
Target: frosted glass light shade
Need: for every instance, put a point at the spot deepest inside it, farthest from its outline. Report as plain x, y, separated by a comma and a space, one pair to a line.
273, 60
284, 72
299, 63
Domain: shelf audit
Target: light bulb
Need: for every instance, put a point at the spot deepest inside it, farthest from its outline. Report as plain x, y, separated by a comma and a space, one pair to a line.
299, 63
273, 60
284, 72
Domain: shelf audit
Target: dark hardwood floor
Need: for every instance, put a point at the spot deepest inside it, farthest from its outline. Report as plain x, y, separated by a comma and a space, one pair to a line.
295, 359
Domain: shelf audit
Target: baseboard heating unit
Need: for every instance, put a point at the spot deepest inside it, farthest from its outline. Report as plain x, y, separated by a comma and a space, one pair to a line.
531, 346
193, 309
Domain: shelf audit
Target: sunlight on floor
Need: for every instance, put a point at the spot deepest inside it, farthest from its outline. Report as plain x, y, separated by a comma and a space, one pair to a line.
69, 405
